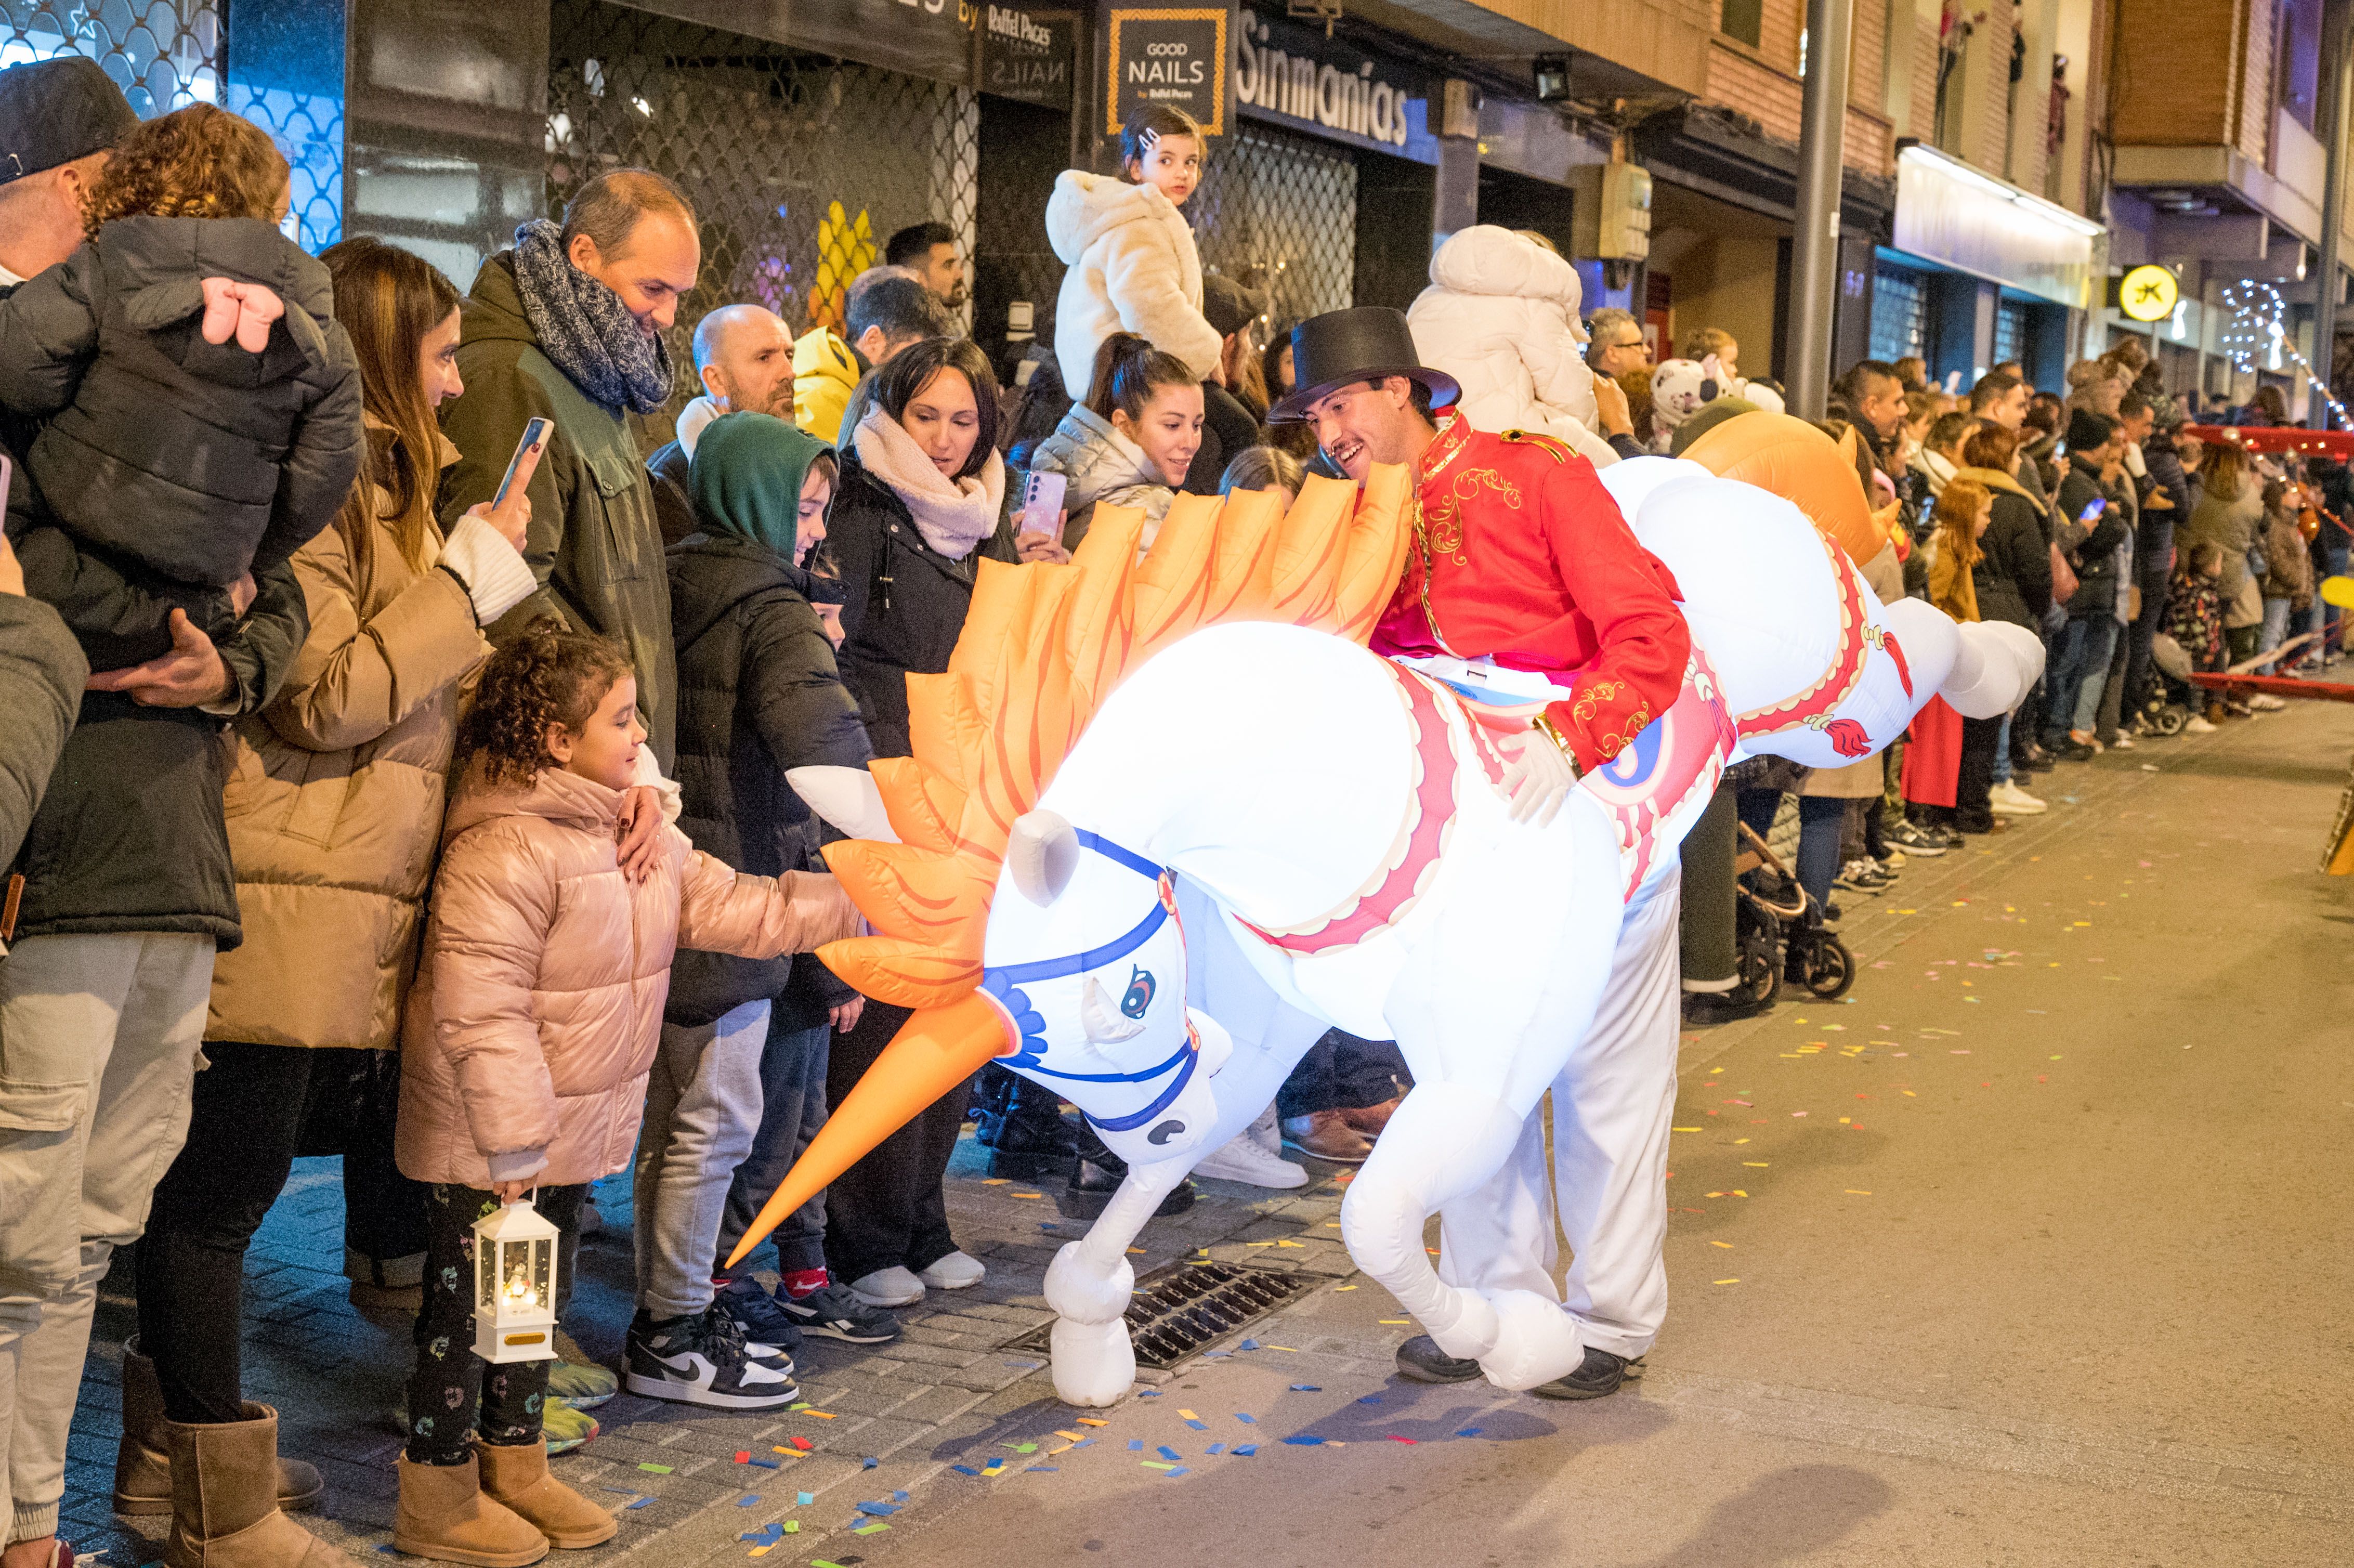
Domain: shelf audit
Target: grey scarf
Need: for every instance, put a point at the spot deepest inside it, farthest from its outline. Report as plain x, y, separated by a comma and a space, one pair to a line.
584, 329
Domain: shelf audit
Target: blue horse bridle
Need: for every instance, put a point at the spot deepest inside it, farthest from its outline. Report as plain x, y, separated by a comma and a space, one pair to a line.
1004, 983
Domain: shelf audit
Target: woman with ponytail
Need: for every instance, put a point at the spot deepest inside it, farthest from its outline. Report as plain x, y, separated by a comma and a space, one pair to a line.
1130, 443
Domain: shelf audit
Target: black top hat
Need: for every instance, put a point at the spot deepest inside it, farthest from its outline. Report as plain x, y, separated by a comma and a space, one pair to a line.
53, 111
1371, 343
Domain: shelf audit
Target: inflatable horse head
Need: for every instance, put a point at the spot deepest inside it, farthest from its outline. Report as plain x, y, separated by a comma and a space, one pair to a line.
990, 911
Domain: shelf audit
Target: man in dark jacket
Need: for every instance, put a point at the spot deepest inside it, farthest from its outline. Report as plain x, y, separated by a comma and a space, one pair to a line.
743, 1042
1228, 425
41, 673
122, 889
567, 326
2089, 523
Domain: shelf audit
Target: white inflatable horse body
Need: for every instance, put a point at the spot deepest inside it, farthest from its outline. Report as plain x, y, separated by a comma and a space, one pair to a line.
1326, 831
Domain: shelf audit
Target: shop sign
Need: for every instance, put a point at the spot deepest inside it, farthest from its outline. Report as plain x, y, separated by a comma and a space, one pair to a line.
1176, 57
1026, 54
932, 38
2147, 294
1295, 75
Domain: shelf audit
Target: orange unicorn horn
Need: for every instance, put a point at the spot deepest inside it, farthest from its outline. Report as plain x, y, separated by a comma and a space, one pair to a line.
934, 1050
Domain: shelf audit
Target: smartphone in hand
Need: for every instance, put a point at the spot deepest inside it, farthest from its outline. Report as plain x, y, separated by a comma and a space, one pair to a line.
2093, 510
525, 459
1042, 505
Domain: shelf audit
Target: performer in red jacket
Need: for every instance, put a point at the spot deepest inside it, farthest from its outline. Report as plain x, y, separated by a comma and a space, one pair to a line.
1521, 559
1524, 579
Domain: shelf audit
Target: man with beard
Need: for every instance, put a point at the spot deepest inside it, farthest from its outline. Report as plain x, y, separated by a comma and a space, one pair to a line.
929, 251
744, 356
1521, 566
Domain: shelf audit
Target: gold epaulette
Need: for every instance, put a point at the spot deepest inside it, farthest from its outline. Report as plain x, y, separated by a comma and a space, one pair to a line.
1550, 445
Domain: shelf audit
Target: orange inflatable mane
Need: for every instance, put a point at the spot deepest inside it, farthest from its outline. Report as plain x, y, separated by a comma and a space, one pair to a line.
1043, 646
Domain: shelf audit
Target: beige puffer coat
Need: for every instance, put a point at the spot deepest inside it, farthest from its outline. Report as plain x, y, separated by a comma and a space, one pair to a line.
538, 1001
334, 800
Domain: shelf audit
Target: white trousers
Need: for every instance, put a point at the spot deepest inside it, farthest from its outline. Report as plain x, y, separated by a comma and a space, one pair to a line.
1611, 1107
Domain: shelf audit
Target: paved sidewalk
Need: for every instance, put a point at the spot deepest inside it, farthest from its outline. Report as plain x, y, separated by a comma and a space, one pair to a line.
880, 1419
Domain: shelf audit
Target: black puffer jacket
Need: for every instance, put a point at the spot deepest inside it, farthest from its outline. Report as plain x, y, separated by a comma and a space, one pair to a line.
2093, 557
41, 673
758, 694
197, 461
906, 602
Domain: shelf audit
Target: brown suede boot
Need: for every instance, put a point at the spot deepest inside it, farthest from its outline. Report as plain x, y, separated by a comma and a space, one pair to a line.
1369, 1120
1327, 1136
444, 1515
225, 1499
517, 1476
142, 1469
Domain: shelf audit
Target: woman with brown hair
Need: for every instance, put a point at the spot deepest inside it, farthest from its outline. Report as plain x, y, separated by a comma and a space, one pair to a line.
333, 806
2230, 514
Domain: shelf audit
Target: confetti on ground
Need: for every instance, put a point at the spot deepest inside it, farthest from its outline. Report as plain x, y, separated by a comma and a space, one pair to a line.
1091, 1421
655, 1469
743, 1455
1136, 1444
1025, 1447
1246, 1419
874, 1527
1858, 1193
1049, 1469
820, 1415
1215, 1449
748, 1500
1395, 1323
1166, 1451
1301, 1440
964, 1469
805, 1498
878, 1510
1245, 1450
766, 1535
1468, 1432
803, 1443
641, 1502
1396, 1438
1176, 1470
1733, 1281
869, 1462
1156, 1464
1306, 1388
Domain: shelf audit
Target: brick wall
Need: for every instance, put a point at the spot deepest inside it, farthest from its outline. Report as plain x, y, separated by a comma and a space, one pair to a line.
1988, 64
1772, 99
2254, 132
1923, 125
1868, 58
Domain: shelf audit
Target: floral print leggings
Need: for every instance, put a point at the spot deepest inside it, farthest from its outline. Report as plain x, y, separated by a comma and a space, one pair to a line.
453, 1392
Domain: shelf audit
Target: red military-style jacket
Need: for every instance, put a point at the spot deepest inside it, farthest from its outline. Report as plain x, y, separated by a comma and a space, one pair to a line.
1521, 555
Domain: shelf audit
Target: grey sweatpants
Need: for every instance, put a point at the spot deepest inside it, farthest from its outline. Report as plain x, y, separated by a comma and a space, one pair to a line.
703, 1103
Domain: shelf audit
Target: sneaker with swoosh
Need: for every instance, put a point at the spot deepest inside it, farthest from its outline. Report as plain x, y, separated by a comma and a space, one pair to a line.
702, 1358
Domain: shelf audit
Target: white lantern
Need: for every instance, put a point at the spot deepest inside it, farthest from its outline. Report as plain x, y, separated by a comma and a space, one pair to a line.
515, 1285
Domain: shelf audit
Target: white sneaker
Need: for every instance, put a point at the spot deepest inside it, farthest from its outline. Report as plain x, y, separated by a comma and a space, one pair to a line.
956, 1271
1242, 1158
1267, 1131
2265, 703
2124, 742
892, 1286
2198, 724
2007, 799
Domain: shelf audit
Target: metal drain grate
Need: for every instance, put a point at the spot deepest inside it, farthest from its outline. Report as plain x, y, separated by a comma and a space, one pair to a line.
1179, 1308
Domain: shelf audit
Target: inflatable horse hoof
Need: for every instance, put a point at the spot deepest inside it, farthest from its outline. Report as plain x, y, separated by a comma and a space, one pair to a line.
1536, 1342
1094, 1365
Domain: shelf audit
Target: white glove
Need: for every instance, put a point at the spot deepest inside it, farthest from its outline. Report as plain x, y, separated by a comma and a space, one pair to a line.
1538, 778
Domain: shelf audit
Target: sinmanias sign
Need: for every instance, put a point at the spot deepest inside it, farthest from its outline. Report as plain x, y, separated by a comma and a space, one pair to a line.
1295, 73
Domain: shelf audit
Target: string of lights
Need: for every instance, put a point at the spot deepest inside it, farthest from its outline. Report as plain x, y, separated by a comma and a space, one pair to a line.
2257, 336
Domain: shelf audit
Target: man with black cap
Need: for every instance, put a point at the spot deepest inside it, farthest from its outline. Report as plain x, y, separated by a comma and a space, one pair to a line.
1524, 581
122, 891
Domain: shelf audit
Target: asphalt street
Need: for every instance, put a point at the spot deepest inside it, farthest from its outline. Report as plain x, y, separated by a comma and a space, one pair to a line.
2035, 1250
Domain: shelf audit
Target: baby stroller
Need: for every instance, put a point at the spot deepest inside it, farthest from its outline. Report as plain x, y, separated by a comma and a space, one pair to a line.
2171, 700
1773, 935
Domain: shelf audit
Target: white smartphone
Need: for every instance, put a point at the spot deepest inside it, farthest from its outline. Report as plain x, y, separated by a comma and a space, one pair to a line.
1042, 505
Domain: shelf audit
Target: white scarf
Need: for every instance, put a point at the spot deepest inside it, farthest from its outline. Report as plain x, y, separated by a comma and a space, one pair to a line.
953, 516
1938, 469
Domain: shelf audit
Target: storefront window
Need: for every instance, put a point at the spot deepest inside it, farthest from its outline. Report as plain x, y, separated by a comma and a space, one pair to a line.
2300, 59
1745, 20
1900, 315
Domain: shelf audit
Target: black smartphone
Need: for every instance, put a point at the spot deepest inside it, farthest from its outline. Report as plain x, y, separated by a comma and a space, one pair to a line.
534, 435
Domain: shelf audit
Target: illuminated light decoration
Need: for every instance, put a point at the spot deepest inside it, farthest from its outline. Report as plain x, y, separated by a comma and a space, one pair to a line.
2257, 326
515, 1285
1205, 721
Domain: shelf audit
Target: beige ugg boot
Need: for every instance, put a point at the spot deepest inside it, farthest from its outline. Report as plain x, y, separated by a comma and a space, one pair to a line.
142, 1469
518, 1478
445, 1515
225, 1499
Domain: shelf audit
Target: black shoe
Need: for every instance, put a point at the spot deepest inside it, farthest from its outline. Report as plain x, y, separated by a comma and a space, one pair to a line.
701, 1359
759, 1316
1913, 839
1421, 1360
833, 1312
1098, 1176
1706, 1007
2076, 751
1601, 1373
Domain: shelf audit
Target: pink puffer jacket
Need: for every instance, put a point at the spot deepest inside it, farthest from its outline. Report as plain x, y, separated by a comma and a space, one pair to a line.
538, 1001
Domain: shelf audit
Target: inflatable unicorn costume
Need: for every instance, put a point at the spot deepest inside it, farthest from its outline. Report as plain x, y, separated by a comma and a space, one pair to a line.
1168, 819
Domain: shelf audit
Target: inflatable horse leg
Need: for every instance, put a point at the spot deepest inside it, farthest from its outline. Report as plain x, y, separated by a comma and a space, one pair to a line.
1090, 1282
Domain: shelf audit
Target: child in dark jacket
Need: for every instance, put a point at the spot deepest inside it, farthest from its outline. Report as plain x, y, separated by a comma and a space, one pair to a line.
202, 405
2194, 605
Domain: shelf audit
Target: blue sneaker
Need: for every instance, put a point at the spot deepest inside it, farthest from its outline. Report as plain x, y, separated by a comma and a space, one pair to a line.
752, 1310
837, 1313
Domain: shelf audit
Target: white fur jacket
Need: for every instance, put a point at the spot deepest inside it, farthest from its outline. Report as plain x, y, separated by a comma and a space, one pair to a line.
1500, 316
1132, 268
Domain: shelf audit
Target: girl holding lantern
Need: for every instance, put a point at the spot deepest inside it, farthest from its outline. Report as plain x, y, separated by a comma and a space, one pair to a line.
527, 1040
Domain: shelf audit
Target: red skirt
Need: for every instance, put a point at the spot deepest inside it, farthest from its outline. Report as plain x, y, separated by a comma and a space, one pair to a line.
1933, 754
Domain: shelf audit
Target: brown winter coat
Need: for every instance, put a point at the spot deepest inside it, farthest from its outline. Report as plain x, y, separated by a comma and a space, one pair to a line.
334, 800
538, 1001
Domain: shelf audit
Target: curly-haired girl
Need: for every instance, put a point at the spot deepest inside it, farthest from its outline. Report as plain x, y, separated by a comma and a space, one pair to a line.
202, 404
529, 1032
